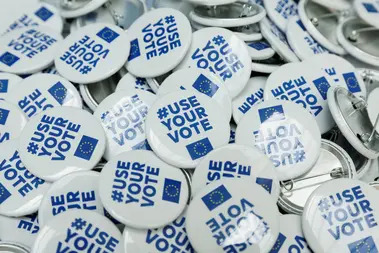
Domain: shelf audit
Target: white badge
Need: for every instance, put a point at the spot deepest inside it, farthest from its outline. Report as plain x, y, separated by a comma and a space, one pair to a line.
280, 11
92, 53
60, 141
20, 191
7, 83
220, 51
342, 216
198, 80
368, 10
264, 67
249, 97
228, 216
129, 81
184, 126
28, 50
86, 7
236, 161
285, 132
78, 231
141, 191
41, 92
122, 115
159, 40
12, 121
260, 50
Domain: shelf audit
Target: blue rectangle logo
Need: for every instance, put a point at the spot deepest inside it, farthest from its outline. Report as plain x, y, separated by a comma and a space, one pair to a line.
205, 86
59, 93
9, 59
4, 193
143, 145
86, 147
259, 45
3, 116
134, 50
199, 148
322, 85
107, 34
370, 7
279, 243
266, 183
273, 113
363, 246
216, 198
351, 82
3, 86
43, 13
171, 190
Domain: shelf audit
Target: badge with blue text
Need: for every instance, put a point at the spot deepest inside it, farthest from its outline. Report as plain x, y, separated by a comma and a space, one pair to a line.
280, 11
368, 10
60, 141
7, 83
12, 121
142, 191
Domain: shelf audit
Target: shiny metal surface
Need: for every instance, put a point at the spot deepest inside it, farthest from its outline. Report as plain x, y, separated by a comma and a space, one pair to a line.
234, 11
12, 248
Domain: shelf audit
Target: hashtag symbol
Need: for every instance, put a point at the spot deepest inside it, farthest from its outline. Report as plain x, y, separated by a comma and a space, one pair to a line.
78, 224
84, 70
170, 19
323, 205
218, 40
162, 113
299, 156
33, 148
140, 81
104, 116
117, 196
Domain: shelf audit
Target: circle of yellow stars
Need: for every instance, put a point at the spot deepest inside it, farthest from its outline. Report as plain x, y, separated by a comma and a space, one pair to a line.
1, 114
200, 145
352, 82
269, 112
219, 195
63, 96
108, 34
8, 58
322, 85
86, 147
360, 244
202, 86
174, 188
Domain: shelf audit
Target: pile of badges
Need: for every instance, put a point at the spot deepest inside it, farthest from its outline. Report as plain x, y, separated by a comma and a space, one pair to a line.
189, 126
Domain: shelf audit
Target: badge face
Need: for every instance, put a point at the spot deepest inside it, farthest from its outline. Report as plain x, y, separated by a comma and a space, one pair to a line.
285, 132
60, 141
341, 216
159, 40
92, 53
7, 83
221, 52
122, 116
227, 204
280, 11
78, 231
12, 121
28, 50
368, 10
41, 92
141, 191
184, 126
21, 192
129, 81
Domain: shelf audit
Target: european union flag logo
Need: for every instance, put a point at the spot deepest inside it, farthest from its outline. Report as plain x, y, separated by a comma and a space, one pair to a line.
4, 193
86, 147
199, 148
59, 92
9, 59
171, 190
278, 244
322, 86
3, 116
3, 86
259, 45
301, 25
216, 198
366, 245
266, 183
352, 82
143, 145
370, 7
107, 34
43, 13
134, 50
273, 113
205, 86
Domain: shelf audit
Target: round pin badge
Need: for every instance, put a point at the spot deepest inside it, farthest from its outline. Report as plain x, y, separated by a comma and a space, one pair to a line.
92, 53
21, 192
260, 50
142, 191
41, 92
341, 216
285, 132
78, 231
249, 97
302, 43
280, 11
74, 9
184, 126
223, 53
277, 40
229, 208
262, 67
28, 50
22, 230
122, 116
60, 141
129, 81
159, 40
338, 5
78, 190
7, 83
368, 10
12, 121
236, 161
201, 81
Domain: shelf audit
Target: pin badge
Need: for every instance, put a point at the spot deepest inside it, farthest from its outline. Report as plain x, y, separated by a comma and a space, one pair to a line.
281, 11
260, 50
266, 66
368, 10
122, 116
255, 221
60, 141
12, 121
142, 191
28, 50
129, 82
77, 8
184, 126
7, 83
